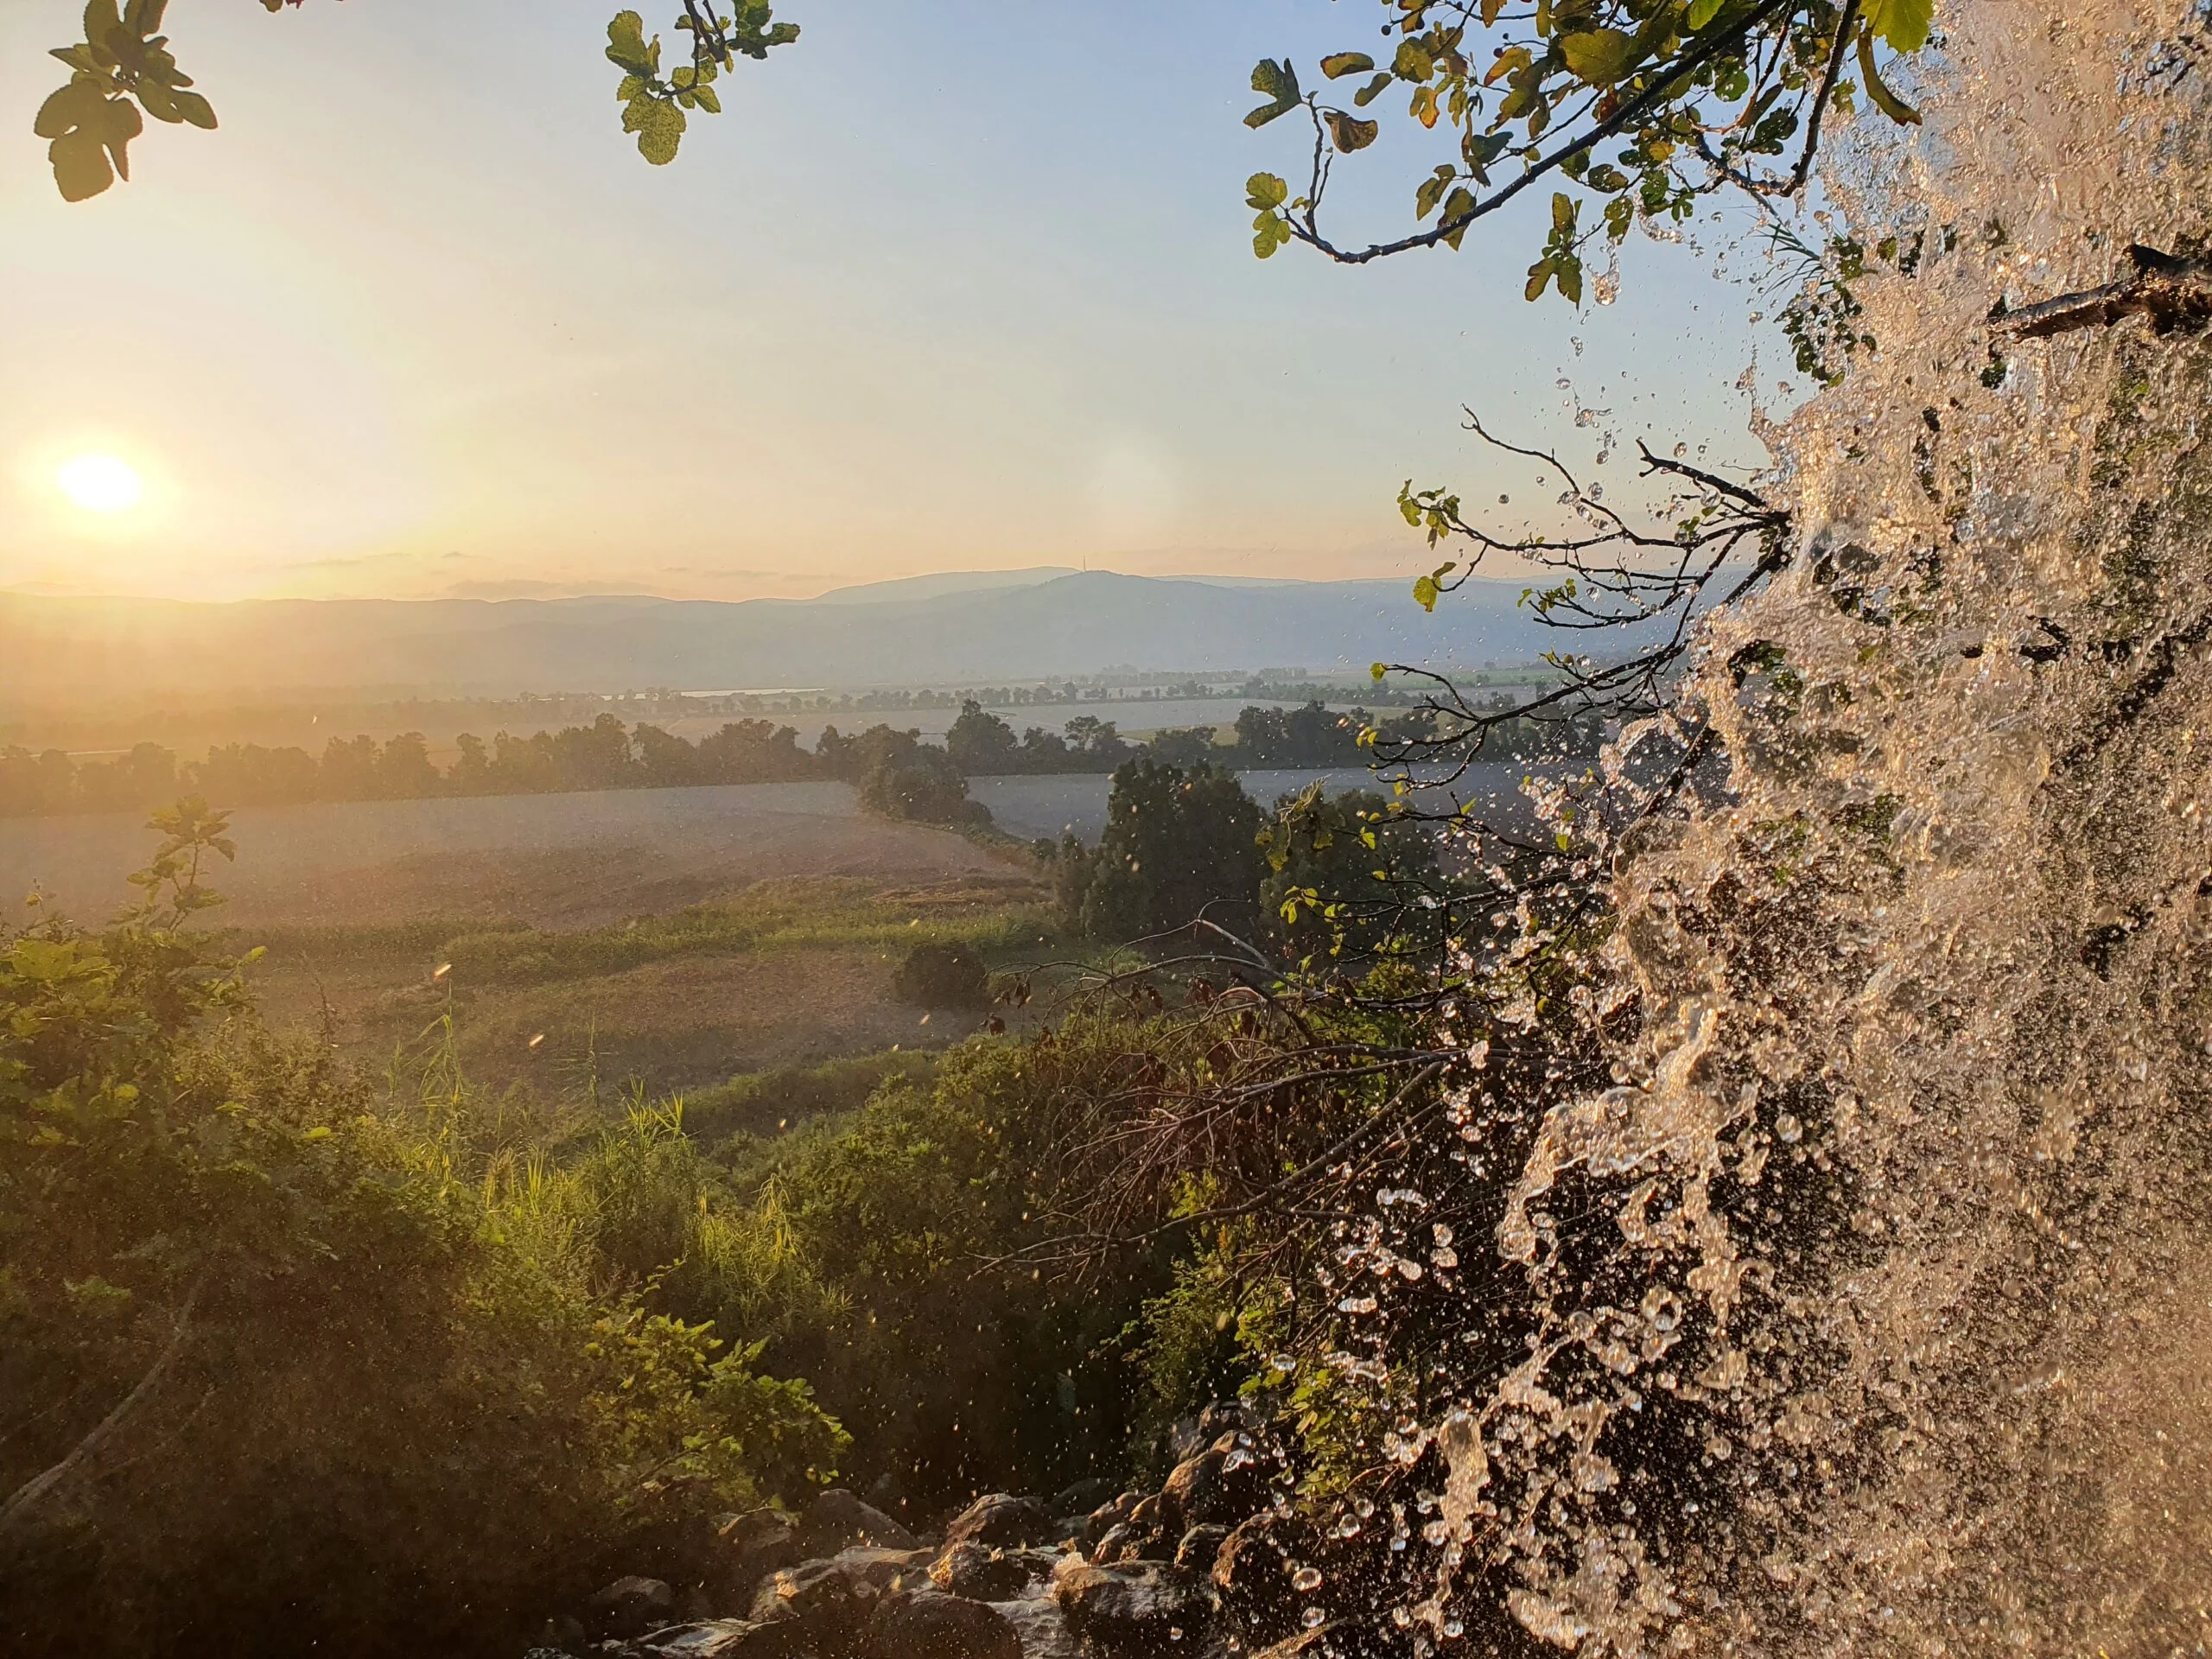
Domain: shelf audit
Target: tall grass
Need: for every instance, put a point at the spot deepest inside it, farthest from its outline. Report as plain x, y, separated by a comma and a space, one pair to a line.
817, 913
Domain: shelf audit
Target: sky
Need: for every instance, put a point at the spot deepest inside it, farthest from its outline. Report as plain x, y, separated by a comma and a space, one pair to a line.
962, 285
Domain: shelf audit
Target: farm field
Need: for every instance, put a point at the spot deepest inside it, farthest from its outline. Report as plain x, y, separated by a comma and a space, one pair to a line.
681, 937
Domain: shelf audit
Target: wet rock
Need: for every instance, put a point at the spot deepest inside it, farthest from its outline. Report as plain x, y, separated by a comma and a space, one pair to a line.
930, 1624
1220, 1484
724, 1638
980, 1572
752, 1547
1002, 1519
881, 1569
1043, 1629
1133, 1608
826, 1602
1252, 1577
1107, 1516
1195, 1554
836, 1518
562, 1634
630, 1607
1082, 1497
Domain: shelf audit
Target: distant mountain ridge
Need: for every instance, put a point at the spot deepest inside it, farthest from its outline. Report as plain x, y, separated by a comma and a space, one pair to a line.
1037, 625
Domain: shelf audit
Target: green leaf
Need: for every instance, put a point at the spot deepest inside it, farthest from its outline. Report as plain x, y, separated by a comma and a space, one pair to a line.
1562, 213
710, 99
627, 47
1479, 149
1540, 277
1885, 100
1904, 23
1701, 12
1349, 132
1425, 592
1601, 56
1337, 65
1367, 94
1413, 61
1279, 82
1264, 191
1377, 670
1569, 269
65, 110
81, 166
659, 126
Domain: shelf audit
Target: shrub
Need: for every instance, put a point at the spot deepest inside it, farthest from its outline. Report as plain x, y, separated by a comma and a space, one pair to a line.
283, 1368
942, 976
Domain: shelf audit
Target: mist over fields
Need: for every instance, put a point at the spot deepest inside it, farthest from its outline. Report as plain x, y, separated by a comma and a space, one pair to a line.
1071, 624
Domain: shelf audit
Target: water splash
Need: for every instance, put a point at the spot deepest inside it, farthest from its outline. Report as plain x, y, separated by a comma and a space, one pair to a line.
1870, 1307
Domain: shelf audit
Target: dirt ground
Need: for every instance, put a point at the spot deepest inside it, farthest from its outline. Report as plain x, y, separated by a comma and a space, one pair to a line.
352, 903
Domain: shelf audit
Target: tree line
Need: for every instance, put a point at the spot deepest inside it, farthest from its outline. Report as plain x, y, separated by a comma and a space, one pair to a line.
609, 754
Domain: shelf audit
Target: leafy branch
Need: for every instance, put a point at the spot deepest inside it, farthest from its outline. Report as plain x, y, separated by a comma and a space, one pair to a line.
1698, 91
123, 71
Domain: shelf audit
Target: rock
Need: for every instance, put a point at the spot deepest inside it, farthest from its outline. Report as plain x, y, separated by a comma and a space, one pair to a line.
1002, 1519
725, 1638
881, 1569
564, 1634
1043, 1629
1138, 1607
930, 1624
980, 1572
630, 1607
752, 1547
823, 1598
1252, 1577
1222, 1484
1103, 1519
836, 1518
1082, 1497
1156, 1511
1195, 1554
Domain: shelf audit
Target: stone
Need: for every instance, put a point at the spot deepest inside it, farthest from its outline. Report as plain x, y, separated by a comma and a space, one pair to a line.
630, 1607
1082, 1497
930, 1624
1103, 1519
823, 1598
725, 1638
1252, 1577
980, 1572
1002, 1519
1043, 1629
881, 1568
1222, 1484
564, 1633
836, 1518
752, 1547
1195, 1554
1135, 1608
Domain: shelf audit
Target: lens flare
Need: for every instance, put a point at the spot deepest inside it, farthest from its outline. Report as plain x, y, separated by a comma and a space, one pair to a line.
100, 483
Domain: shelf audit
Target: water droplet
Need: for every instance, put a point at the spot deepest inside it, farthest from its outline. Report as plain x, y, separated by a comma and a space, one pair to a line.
1787, 1128
1306, 1579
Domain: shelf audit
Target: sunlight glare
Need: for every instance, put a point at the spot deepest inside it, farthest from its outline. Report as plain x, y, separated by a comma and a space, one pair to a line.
100, 483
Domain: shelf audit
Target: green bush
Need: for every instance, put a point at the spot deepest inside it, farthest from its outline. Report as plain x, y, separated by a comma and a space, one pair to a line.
282, 1367
942, 976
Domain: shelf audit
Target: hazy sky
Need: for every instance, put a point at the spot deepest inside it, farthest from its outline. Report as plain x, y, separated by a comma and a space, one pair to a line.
950, 286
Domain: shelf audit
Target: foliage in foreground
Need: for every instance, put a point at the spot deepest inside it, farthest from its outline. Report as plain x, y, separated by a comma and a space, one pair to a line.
362, 1345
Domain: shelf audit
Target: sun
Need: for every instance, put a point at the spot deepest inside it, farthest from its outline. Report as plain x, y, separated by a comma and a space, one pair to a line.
100, 483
